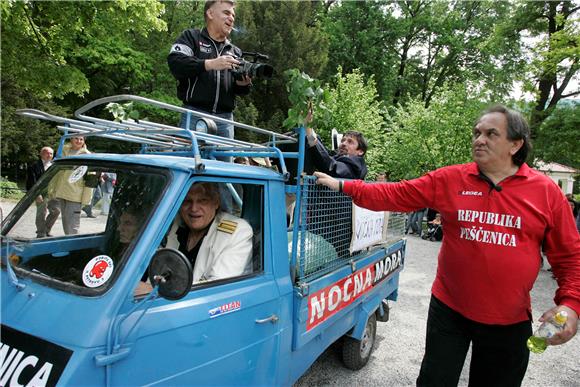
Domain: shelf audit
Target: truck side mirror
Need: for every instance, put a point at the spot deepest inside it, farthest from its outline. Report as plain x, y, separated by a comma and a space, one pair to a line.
172, 271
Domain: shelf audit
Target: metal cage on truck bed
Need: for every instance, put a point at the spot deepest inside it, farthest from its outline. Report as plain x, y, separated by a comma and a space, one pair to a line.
325, 228
319, 237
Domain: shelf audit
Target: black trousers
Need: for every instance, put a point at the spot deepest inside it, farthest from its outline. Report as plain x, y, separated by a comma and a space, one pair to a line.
499, 356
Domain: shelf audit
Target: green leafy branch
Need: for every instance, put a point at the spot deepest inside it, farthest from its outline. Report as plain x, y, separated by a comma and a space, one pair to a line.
305, 93
123, 112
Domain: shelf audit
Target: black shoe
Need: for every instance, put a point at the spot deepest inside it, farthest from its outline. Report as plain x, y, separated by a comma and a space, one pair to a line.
88, 210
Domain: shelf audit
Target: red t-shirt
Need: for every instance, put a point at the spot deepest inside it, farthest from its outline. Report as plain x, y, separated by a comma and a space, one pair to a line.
490, 255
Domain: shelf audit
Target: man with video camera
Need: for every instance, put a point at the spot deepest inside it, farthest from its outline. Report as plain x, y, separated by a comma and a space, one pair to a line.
203, 61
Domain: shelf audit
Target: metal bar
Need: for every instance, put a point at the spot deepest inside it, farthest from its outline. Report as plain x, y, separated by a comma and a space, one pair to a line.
79, 113
235, 195
297, 213
84, 125
114, 136
156, 137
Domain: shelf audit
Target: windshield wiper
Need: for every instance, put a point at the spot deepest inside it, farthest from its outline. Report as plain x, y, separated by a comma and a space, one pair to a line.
36, 271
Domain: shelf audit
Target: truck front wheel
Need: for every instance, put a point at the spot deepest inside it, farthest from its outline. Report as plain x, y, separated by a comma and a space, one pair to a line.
356, 353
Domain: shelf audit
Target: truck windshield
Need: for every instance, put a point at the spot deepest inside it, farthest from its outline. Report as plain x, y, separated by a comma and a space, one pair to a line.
76, 227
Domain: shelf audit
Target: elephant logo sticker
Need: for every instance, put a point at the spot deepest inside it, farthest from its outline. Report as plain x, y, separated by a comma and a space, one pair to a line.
97, 271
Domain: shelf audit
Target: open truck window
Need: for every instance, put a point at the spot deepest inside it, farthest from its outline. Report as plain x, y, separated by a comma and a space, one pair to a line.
218, 228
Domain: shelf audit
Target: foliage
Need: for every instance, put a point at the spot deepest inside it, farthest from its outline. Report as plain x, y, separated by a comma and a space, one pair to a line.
360, 38
353, 105
290, 34
10, 190
64, 43
413, 48
56, 53
22, 138
122, 112
421, 139
557, 138
553, 28
304, 93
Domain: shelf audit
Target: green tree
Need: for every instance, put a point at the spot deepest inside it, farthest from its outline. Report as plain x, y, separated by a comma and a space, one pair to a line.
353, 104
554, 33
421, 139
414, 48
55, 53
361, 37
290, 35
63, 44
22, 138
557, 137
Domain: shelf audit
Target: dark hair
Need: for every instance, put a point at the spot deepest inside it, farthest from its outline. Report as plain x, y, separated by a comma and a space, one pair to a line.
134, 210
362, 143
517, 129
210, 3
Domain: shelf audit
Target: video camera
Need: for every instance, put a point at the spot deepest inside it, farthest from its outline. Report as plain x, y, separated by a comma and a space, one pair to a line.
253, 68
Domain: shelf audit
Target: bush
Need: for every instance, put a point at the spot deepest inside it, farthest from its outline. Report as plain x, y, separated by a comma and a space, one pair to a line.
10, 190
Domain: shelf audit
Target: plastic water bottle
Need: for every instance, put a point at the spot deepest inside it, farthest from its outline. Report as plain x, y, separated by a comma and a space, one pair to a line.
539, 341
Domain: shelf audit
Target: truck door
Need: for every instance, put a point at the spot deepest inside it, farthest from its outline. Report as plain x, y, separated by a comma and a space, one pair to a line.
225, 330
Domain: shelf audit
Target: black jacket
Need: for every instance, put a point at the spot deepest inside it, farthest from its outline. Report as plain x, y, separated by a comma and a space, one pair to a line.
341, 166
212, 91
33, 174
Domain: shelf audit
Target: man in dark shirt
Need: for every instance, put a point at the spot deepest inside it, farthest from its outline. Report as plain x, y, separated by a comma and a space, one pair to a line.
348, 163
44, 223
202, 62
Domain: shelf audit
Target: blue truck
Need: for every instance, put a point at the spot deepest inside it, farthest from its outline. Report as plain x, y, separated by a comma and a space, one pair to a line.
71, 311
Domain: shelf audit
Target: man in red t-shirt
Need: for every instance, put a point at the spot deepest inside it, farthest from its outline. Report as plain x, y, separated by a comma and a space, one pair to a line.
498, 215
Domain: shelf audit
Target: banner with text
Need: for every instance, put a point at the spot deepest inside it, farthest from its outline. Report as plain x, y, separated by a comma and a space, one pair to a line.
368, 227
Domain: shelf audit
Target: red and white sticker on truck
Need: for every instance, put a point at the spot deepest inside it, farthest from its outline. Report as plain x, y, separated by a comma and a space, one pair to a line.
333, 298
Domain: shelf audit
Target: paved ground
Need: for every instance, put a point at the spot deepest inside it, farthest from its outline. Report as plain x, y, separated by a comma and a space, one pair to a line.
27, 228
400, 342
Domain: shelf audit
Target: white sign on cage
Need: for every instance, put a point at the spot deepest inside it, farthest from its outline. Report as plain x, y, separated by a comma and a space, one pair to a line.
368, 227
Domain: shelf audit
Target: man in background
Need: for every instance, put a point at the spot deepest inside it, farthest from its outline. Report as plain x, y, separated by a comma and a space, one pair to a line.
347, 163
71, 195
43, 222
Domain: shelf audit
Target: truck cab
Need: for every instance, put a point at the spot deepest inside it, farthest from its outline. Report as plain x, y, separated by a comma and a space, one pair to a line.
75, 308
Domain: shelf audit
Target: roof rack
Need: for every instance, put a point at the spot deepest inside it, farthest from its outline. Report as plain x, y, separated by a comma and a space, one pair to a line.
166, 139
